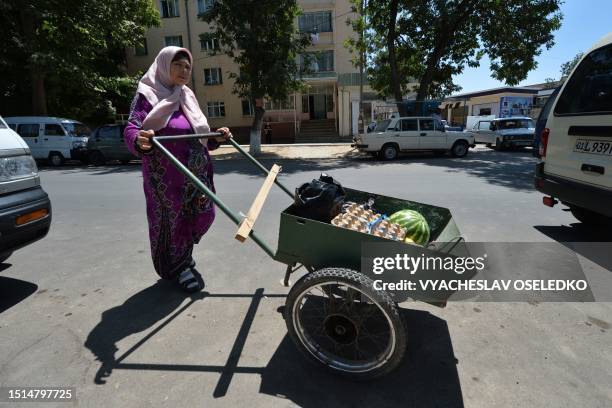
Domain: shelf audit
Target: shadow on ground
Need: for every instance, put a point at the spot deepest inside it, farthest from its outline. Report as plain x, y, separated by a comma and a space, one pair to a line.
13, 291
427, 377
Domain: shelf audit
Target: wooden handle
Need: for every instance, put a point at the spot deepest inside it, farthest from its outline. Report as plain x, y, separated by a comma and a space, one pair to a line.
247, 224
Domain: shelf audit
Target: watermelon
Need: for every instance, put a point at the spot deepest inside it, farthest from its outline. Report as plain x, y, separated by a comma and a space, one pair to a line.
415, 224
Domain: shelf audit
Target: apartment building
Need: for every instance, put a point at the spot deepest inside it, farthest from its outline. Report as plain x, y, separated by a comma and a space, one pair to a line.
327, 111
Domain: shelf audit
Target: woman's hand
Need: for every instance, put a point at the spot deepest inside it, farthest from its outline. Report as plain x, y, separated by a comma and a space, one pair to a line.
226, 135
144, 139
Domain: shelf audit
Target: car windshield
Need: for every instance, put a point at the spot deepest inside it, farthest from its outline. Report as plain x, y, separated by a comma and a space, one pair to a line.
76, 129
514, 124
2, 125
382, 126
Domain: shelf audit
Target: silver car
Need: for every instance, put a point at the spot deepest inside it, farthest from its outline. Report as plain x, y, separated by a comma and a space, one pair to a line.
505, 133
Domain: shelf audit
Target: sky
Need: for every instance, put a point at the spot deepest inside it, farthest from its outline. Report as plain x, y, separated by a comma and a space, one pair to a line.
584, 23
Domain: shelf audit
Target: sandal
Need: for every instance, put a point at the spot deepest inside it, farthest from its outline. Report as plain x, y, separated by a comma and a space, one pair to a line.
190, 280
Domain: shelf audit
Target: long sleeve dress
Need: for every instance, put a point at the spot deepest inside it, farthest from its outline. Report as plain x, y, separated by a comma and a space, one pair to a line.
178, 213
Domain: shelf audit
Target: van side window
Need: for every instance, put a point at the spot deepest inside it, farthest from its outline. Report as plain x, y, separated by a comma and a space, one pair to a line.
589, 89
28, 130
51, 129
485, 125
409, 125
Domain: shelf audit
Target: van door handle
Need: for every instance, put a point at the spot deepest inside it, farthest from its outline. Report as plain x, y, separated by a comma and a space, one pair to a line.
423, 134
591, 168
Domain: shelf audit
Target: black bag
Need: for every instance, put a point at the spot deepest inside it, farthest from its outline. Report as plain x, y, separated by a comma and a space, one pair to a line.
320, 199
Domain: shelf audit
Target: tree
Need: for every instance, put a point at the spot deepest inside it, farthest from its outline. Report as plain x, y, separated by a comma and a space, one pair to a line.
69, 56
262, 39
567, 67
432, 40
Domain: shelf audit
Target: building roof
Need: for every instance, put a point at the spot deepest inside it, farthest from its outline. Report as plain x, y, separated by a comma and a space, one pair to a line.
493, 91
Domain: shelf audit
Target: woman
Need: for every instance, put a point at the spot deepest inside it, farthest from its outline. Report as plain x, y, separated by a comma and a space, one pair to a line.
178, 213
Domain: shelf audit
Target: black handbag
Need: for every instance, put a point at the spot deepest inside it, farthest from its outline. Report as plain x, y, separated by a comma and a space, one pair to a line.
320, 199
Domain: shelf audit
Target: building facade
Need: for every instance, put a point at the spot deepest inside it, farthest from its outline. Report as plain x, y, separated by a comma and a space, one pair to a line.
327, 111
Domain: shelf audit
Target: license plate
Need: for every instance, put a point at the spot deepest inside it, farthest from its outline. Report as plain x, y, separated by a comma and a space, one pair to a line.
593, 147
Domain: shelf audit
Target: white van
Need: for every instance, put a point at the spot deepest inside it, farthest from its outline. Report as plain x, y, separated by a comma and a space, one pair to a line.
25, 209
52, 139
576, 145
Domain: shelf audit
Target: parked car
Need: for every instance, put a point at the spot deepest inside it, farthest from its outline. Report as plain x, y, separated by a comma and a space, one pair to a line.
541, 121
25, 209
576, 145
106, 143
53, 139
503, 133
395, 135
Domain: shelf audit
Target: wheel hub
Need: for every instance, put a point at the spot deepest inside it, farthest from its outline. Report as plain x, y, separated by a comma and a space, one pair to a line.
340, 328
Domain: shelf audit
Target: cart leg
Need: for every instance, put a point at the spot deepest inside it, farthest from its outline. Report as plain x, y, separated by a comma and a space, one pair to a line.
288, 272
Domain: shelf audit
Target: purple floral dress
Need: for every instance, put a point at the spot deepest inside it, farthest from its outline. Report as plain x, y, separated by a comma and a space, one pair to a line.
178, 213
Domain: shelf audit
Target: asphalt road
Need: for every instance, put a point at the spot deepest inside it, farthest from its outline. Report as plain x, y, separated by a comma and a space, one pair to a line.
83, 307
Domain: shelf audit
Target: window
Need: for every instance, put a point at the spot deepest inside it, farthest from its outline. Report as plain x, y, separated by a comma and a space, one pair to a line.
427, 124
286, 104
107, 132
169, 8
216, 109
515, 124
205, 5
212, 76
29, 130
76, 129
484, 125
589, 90
175, 40
409, 125
382, 126
318, 22
319, 62
484, 111
141, 49
208, 43
3, 126
51, 129
247, 108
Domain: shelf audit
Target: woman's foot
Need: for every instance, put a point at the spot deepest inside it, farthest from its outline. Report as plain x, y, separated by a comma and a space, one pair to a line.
190, 280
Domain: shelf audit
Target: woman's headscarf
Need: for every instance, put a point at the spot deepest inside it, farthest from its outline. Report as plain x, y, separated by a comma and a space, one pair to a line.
166, 98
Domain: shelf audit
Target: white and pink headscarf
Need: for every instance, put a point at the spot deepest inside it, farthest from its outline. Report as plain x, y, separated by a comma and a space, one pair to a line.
166, 98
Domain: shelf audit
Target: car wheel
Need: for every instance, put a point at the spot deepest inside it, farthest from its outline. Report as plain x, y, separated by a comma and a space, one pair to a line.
97, 158
389, 152
56, 159
489, 145
459, 149
590, 218
499, 145
5, 256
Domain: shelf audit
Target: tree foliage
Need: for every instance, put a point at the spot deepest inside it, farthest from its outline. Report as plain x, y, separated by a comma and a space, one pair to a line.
430, 41
262, 39
68, 57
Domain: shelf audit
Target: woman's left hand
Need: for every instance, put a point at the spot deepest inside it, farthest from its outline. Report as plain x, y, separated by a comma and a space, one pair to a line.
226, 134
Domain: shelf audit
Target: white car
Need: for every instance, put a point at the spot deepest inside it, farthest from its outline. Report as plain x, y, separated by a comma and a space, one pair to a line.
505, 133
25, 209
395, 135
576, 145
52, 139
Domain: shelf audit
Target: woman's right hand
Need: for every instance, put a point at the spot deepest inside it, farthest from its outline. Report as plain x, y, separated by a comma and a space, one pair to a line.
144, 139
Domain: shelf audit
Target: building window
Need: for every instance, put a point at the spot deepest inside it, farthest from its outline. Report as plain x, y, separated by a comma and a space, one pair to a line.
174, 40
216, 109
205, 5
286, 104
169, 8
247, 108
318, 22
319, 62
212, 76
141, 48
485, 111
209, 43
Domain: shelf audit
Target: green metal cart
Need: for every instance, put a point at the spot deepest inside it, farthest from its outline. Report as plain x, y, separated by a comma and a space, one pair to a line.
333, 313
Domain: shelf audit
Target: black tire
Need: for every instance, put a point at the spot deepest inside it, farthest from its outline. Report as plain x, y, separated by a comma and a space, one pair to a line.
125, 161
56, 159
389, 152
489, 145
340, 325
499, 146
5, 256
460, 148
97, 158
590, 218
